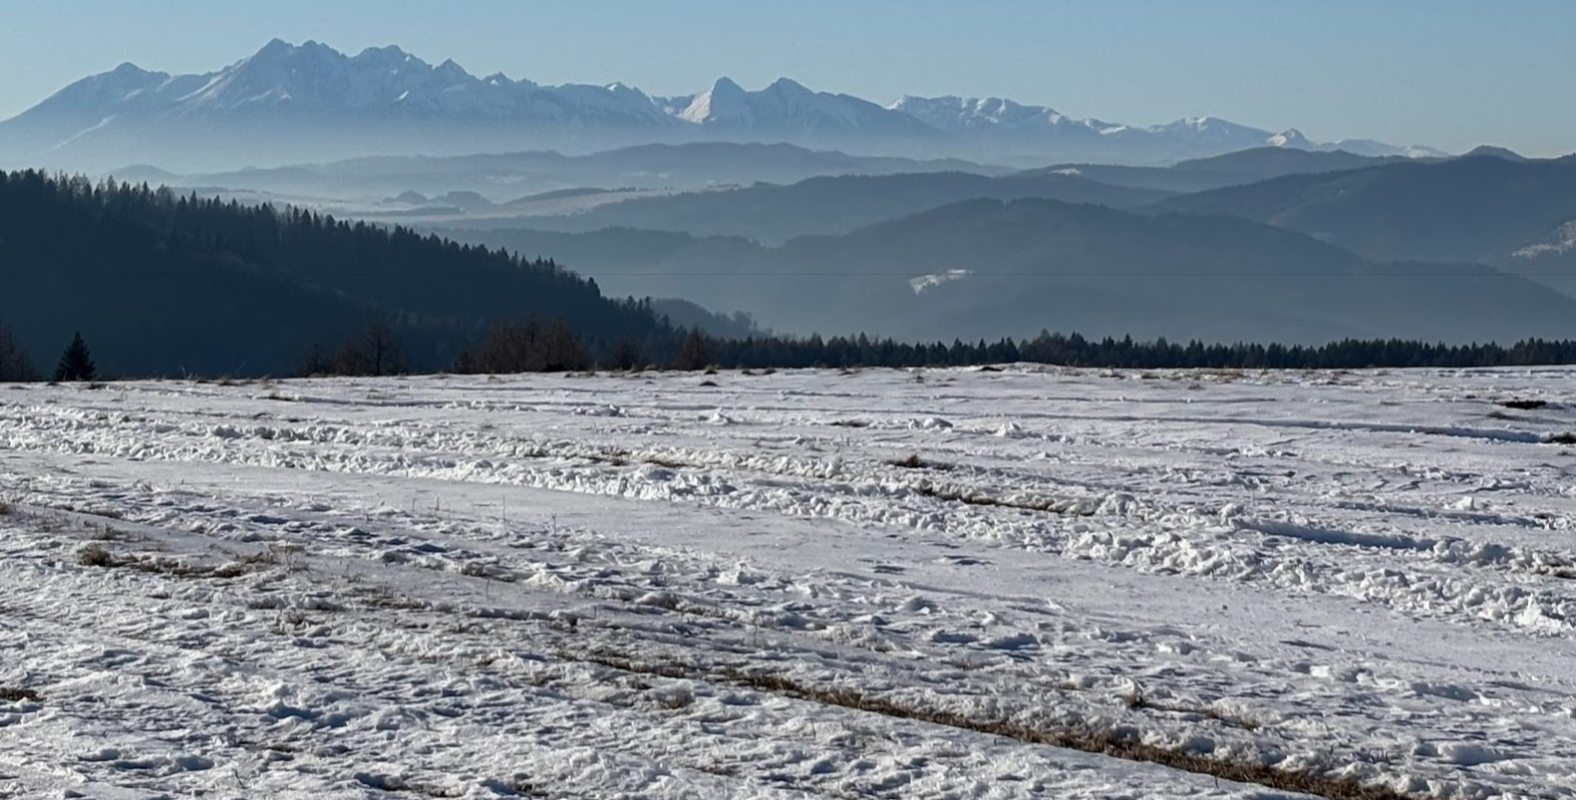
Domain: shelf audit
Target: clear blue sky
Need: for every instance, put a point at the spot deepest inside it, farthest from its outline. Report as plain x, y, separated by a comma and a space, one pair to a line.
1448, 73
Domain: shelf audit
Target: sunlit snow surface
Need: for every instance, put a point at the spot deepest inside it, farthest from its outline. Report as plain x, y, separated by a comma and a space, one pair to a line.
431, 583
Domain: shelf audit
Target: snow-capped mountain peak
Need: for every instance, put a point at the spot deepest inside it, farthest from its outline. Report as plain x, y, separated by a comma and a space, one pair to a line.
301, 92
788, 110
723, 100
993, 116
1291, 137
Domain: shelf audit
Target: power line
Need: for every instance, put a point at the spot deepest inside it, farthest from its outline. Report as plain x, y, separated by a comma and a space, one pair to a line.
445, 275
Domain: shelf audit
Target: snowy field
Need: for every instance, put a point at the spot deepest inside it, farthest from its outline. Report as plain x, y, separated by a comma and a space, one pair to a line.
808, 584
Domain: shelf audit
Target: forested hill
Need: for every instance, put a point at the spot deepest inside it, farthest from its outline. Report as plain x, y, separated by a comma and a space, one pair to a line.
162, 284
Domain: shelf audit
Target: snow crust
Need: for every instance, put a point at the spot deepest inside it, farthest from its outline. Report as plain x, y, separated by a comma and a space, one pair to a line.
442, 586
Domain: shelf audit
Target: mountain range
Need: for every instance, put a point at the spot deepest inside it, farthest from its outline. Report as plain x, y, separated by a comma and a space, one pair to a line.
990, 268
1300, 250
506, 177
290, 104
836, 204
840, 203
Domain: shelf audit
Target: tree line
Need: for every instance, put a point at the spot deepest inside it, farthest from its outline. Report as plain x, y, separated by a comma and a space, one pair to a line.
530, 344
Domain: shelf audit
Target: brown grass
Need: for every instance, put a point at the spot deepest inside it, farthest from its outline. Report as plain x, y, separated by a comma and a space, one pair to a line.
96, 556
1085, 738
1088, 738
668, 463
915, 462
1525, 405
10, 694
996, 502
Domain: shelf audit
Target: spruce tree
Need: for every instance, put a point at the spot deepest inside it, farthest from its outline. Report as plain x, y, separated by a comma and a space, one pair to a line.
76, 364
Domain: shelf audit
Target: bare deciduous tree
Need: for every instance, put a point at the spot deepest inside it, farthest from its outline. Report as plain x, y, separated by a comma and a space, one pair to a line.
14, 364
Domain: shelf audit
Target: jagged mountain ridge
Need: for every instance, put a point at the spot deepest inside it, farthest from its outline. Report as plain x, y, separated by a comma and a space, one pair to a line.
311, 103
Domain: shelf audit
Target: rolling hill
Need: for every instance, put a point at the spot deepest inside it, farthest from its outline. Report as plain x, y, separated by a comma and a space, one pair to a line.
1228, 169
828, 205
1463, 209
989, 268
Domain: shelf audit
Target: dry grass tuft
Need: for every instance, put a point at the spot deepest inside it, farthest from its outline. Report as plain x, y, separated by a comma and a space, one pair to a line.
666, 463
915, 462
1070, 508
95, 556
14, 695
1525, 405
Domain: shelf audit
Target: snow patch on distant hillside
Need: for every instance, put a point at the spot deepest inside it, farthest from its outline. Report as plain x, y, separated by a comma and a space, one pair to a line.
926, 282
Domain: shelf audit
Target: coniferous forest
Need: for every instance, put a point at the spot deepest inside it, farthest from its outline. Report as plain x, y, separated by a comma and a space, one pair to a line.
152, 283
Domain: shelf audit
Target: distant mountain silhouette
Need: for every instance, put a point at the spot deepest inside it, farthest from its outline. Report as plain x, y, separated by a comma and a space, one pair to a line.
773, 214
1507, 212
1229, 169
509, 176
986, 268
1496, 152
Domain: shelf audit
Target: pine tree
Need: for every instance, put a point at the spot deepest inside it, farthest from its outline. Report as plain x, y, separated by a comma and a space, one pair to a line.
76, 364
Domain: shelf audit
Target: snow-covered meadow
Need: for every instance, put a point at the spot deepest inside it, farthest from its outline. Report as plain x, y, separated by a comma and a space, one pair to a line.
805, 584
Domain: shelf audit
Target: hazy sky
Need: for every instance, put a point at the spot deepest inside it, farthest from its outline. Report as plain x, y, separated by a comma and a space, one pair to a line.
1447, 73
